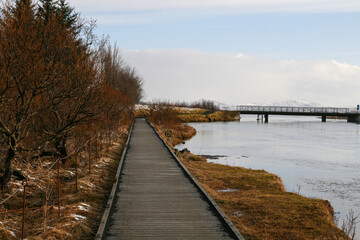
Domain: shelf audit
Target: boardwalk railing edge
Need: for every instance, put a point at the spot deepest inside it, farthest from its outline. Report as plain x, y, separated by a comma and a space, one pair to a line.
109, 203
207, 196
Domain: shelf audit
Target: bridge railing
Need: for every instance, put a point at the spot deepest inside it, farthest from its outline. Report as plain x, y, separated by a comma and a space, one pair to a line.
280, 109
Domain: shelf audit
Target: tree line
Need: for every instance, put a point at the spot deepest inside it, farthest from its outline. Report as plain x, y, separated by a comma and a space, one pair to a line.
58, 82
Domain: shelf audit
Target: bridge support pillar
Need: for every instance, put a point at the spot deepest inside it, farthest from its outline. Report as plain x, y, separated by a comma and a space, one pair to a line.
266, 118
259, 118
323, 118
354, 119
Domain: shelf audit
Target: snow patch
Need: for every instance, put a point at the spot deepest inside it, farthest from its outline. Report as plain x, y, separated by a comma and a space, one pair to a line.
141, 107
16, 183
296, 103
7, 228
71, 173
228, 190
186, 109
89, 184
78, 217
83, 207
31, 178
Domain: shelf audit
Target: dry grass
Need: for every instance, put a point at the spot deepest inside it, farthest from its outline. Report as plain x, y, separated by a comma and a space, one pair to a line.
259, 206
184, 114
209, 116
81, 209
177, 134
257, 202
193, 118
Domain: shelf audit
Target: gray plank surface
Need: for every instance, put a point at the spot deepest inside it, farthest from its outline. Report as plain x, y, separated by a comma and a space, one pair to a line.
155, 200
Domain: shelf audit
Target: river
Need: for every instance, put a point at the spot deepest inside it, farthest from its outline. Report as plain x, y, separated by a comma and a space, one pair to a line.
315, 159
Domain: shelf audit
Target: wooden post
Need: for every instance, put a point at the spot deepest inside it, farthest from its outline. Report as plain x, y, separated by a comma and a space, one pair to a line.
76, 171
89, 147
45, 209
98, 150
59, 203
24, 207
99, 140
109, 140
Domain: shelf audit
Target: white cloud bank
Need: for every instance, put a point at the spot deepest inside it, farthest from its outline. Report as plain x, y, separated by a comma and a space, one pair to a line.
219, 5
192, 75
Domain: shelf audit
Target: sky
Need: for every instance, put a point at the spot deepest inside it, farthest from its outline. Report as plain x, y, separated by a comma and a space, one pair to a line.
237, 51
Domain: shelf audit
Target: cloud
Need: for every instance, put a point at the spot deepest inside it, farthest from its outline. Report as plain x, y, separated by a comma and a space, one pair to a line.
137, 12
228, 5
190, 75
135, 18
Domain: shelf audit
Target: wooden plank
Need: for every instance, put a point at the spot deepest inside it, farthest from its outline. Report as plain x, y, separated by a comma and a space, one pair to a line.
155, 199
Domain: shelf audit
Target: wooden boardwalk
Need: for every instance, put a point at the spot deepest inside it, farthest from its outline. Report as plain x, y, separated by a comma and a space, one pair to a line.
156, 200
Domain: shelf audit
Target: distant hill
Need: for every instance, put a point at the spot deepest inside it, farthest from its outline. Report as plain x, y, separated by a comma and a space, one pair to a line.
296, 103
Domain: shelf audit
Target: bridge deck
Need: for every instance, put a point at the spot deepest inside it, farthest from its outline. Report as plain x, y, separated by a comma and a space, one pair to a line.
155, 200
304, 111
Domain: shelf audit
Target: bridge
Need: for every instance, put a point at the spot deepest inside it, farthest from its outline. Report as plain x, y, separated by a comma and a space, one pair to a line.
351, 114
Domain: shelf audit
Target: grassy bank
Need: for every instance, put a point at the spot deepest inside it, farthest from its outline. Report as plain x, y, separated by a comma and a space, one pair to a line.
209, 116
185, 114
256, 201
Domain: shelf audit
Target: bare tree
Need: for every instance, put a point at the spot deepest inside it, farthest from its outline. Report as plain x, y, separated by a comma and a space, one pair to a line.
51, 85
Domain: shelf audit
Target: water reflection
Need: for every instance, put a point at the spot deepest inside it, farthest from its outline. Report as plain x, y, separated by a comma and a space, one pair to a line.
322, 160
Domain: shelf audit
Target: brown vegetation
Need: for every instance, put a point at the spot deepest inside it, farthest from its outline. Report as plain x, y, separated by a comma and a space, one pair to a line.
85, 182
185, 114
63, 94
256, 201
209, 116
168, 123
54, 86
259, 206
